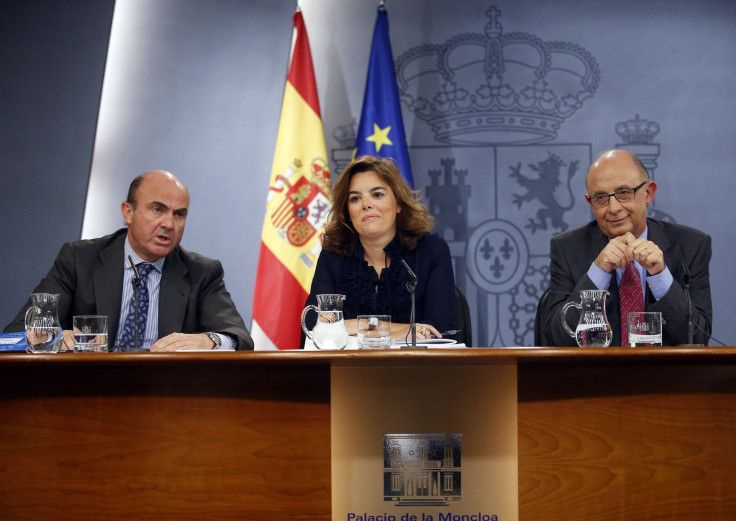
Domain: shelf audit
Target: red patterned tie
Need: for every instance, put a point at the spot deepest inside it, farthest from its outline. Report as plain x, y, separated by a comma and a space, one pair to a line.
631, 299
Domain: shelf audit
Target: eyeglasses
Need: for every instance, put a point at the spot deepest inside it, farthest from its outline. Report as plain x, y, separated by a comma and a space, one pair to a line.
623, 195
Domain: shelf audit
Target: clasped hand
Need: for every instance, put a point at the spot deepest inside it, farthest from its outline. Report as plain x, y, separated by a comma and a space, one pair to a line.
622, 250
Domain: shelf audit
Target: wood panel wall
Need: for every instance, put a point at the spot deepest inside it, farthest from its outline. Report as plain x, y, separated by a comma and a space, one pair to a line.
634, 441
164, 442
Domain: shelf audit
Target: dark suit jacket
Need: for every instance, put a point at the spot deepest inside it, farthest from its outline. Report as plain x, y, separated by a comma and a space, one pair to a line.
686, 251
88, 275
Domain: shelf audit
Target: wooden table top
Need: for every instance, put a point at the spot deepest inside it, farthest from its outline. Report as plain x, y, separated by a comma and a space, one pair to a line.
485, 356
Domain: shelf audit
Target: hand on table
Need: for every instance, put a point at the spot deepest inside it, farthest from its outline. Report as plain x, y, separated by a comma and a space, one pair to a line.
183, 342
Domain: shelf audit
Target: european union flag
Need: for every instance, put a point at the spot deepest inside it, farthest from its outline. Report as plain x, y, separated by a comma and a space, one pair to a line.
381, 130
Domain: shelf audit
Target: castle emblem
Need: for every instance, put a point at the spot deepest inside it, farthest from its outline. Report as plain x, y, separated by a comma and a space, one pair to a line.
496, 88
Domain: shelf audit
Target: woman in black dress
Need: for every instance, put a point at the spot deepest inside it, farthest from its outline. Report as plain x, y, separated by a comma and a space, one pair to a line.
376, 221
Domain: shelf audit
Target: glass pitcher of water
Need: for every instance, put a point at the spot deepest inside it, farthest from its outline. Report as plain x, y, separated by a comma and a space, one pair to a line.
43, 330
330, 331
593, 330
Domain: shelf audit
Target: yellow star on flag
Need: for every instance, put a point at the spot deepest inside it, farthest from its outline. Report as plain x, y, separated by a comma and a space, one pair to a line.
380, 137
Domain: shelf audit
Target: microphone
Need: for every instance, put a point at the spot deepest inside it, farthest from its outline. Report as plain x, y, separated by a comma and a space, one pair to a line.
136, 284
686, 286
412, 276
136, 277
411, 286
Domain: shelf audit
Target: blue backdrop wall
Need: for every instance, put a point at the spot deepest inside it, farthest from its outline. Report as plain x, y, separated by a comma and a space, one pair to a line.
195, 87
52, 56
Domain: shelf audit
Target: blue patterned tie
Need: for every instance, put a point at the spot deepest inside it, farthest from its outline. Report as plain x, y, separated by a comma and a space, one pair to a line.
127, 340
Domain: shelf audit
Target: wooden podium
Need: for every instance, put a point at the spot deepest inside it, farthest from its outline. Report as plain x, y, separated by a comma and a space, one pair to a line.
603, 434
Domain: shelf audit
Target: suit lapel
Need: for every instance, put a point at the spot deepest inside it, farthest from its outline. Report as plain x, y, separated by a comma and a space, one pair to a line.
107, 281
657, 236
173, 293
671, 259
598, 241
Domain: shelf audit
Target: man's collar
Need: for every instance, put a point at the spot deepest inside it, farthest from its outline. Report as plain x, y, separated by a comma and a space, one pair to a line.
129, 251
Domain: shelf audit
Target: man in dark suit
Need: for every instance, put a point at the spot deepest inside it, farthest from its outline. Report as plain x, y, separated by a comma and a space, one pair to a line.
671, 260
190, 308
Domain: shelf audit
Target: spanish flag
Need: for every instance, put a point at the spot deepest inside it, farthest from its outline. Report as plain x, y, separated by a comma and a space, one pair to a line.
299, 200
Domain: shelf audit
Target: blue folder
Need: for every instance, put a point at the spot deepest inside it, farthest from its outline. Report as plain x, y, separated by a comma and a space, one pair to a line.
13, 342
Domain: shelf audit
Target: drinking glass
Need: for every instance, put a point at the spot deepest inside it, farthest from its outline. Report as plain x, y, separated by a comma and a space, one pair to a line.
374, 331
90, 333
645, 329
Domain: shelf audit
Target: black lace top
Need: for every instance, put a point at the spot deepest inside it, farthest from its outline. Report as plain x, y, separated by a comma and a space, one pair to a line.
366, 293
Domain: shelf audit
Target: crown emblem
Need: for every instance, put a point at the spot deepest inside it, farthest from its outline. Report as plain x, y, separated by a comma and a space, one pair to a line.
346, 134
496, 88
637, 131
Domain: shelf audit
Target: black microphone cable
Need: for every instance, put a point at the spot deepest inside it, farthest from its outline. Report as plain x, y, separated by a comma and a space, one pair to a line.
686, 286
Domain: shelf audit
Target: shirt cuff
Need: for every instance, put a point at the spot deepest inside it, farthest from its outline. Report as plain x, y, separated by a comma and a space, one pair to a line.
660, 283
227, 343
601, 279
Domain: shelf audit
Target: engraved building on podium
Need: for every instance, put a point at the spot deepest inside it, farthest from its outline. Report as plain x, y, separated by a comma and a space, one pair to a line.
422, 469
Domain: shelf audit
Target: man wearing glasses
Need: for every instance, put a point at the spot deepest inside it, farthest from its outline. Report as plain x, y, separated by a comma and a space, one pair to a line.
669, 261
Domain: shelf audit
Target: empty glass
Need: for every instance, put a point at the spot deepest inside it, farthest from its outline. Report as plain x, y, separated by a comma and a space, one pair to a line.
374, 331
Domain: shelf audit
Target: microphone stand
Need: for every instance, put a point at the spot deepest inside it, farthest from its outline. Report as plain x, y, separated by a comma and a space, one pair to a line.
136, 284
686, 286
411, 285
690, 333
